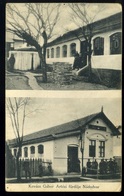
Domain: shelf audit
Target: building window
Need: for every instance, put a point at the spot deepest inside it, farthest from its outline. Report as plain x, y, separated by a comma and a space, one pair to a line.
58, 52
72, 49
15, 152
32, 149
48, 53
115, 43
92, 148
64, 51
52, 53
98, 46
40, 149
26, 152
102, 149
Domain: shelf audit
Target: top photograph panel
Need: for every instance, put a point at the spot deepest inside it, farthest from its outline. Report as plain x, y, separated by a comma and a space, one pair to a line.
57, 46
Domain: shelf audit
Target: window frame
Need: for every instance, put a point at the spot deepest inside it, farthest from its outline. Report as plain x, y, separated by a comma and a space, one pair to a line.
92, 145
25, 151
102, 149
58, 52
113, 50
32, 149
40, 148
72, 49
99, 49
64, 51
52, 52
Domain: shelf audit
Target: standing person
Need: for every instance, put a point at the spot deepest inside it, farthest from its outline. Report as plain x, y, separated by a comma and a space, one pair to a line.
26, 167
94, 166
50, 169
101, 166
89, 164
78, 165
11, 62
106, 166
80, 61
77, 61
114, 166
41, 170
111, 166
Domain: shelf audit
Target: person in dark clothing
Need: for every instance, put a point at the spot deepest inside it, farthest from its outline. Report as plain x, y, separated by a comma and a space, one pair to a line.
77, 61
111, 166
89, 164
101, 166
41, 170
78, 165
106, 166
114, 166
26, 167
94, 167
50, 169
11, 62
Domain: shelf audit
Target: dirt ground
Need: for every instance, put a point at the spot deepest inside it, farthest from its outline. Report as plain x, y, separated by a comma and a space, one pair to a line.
17, 83
21, 83
76, 85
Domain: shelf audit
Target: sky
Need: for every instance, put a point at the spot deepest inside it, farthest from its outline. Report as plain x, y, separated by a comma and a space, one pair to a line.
55, 111
66, 23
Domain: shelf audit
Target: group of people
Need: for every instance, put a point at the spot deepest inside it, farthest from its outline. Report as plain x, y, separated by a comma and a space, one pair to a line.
92, 167
27, 169
104, 166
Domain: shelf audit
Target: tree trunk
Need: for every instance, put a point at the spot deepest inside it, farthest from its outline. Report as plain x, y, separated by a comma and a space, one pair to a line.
18, 169
43, 66
89, 53
18, 164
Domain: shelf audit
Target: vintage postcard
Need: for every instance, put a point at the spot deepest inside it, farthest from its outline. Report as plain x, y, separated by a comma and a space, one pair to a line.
63, 97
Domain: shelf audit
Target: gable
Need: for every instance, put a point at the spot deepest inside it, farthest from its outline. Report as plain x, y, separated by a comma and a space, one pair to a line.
71, 128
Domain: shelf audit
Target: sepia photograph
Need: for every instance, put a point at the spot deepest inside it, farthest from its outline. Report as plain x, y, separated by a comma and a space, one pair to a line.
63, 46
63, 83
70, 144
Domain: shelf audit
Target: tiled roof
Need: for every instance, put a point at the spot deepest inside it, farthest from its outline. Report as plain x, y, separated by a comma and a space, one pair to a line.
105, 24
64, 129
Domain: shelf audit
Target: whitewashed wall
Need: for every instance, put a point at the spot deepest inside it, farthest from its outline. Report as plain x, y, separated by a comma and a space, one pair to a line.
23, 59
98, 136
107, 61
60, 153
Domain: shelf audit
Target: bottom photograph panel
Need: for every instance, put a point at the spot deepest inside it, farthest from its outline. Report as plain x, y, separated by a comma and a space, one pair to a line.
55, 144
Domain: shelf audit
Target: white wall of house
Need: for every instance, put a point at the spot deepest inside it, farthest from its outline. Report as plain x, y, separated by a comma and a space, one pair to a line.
97, 135
61, 153
107, 61
57, 150
18, 44
69, 58
47, 153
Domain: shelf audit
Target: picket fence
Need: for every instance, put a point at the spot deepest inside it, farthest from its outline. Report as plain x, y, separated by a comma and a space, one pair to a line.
34, 167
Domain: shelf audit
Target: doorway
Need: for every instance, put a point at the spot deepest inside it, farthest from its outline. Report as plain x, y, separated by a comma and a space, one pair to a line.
73, 159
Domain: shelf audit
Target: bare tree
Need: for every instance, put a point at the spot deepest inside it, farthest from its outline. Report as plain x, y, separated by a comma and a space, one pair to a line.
83, 15
31, 22
17, 111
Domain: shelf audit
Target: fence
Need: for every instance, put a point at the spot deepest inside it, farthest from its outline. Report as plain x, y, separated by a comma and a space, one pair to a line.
34, 167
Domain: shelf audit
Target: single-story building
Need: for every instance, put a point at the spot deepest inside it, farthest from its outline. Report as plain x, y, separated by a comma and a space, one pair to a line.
90, 137
106, 49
